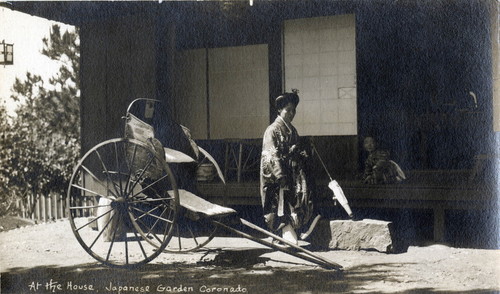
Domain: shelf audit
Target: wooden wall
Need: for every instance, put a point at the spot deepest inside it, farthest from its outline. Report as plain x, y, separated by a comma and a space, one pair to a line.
118, 64
415, 66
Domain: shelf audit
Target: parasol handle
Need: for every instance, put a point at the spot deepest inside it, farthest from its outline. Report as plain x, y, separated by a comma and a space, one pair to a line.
321, 160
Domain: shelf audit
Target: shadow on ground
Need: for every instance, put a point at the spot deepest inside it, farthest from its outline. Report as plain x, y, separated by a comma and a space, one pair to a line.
230, 271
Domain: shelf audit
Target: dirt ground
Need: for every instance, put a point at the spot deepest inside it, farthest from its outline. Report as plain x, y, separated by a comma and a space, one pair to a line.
46, 258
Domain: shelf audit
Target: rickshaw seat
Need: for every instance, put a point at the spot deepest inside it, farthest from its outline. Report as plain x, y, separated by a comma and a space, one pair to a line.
201, 206
155, 116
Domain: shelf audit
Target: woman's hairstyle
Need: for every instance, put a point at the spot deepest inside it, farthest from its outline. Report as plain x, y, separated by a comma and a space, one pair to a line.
285, 98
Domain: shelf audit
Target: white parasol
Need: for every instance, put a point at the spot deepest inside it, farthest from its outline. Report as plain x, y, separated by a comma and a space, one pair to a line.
338, 194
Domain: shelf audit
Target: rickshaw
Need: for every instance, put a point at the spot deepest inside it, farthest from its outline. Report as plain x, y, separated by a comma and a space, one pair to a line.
129, 201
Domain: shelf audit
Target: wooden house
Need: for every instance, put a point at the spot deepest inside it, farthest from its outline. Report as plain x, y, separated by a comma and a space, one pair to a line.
420, 75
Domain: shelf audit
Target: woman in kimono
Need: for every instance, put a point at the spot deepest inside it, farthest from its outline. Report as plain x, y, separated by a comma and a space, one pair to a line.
286, 199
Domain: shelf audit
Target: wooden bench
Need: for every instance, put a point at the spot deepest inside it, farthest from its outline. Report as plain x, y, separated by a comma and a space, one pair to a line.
438, 199
437, 191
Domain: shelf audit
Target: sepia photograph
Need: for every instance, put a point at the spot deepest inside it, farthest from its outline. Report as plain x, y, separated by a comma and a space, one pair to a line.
250, 146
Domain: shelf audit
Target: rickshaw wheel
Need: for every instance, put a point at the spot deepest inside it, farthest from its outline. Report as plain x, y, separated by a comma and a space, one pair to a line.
122, 195
190, 234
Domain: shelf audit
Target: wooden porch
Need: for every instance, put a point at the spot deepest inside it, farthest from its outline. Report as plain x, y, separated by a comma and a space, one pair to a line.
437, 191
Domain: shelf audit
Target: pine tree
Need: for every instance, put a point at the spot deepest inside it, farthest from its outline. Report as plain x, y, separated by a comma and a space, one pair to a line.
8, 195
45, 132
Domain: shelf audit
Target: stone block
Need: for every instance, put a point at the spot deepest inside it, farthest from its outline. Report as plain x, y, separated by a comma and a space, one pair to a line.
366, 234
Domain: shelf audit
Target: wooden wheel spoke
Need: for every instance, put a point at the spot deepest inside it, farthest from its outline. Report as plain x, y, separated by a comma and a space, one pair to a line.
145, 212
137, 205
149, 200
135, 183
106, 171
150, 161
99, 182
88, 207
126, 250
111, 244
117, 167
87, 190
130, 168
140, 245
149, 186
102, 231
178, 236
95, 219
166, 229
151, 228
149, 231
152, 215
192, 235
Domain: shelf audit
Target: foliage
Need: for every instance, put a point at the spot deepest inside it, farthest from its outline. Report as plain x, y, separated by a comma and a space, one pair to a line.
7, 195
42, 143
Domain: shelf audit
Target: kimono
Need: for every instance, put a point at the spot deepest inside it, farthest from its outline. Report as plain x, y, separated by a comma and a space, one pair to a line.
379, 169
283, 164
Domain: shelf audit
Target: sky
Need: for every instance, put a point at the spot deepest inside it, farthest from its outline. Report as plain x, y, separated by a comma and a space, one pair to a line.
26, 33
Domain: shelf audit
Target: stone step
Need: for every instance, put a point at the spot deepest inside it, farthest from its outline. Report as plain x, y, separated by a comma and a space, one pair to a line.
366, 234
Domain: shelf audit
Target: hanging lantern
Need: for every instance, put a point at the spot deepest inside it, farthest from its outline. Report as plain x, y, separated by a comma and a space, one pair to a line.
6, 53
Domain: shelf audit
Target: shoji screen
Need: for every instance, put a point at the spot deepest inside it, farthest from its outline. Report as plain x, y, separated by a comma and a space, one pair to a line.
190, 92
320, 61
223, 92
238, 91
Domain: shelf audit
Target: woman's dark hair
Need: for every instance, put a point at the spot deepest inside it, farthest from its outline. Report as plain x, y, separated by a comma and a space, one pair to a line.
285, 98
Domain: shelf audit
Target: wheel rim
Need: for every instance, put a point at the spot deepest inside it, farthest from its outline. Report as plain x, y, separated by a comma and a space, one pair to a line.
122, 187
191, 235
